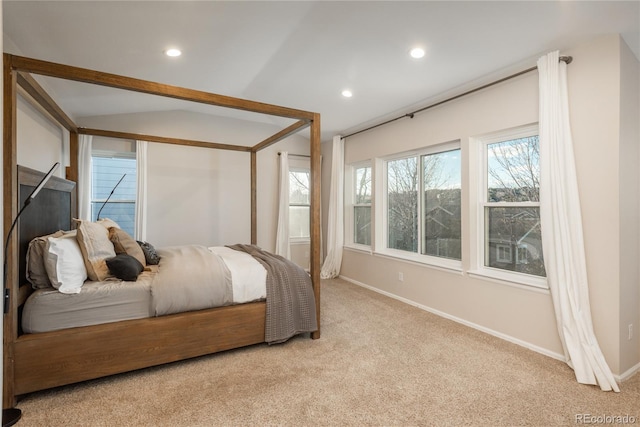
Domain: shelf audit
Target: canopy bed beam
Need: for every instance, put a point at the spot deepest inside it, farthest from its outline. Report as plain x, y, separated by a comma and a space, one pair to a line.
84, 75
162, 139
284, 133
42, 98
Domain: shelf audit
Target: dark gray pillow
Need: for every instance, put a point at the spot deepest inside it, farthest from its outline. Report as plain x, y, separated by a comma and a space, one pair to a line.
125, 267
150, 254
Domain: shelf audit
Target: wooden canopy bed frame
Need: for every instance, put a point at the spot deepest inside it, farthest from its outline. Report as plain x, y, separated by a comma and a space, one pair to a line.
89, 352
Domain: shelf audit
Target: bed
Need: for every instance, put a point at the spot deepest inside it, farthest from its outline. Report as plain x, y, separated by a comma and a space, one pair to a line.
45, 358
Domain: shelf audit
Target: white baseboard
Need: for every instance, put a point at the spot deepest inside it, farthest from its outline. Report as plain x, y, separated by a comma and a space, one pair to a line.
489, 331
628, 373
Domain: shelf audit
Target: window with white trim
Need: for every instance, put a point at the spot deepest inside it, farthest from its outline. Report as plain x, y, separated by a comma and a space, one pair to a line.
362, 205
106, 170
299, 203
441, 178
510, 202
421, 214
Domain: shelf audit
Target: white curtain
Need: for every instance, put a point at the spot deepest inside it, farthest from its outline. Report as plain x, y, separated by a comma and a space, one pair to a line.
141, 190
282, 235
84, 177
561, 223
335, 230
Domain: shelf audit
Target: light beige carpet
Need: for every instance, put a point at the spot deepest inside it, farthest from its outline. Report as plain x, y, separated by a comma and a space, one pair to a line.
379, 362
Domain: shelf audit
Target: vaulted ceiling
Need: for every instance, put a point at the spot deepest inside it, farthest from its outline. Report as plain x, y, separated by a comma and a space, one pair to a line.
302, 54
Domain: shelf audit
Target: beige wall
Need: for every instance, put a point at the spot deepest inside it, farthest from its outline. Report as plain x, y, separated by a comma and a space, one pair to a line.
594, 90
629, 208
40, 142
523, 315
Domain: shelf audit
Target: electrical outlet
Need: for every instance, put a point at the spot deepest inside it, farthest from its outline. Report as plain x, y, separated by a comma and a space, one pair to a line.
401, 277
630, 331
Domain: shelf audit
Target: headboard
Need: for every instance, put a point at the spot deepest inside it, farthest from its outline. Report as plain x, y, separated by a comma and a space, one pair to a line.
49, 212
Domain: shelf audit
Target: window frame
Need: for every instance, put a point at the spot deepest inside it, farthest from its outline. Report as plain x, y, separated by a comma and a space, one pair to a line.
381, 191
299, 166
478, 174
130, 155
350, 205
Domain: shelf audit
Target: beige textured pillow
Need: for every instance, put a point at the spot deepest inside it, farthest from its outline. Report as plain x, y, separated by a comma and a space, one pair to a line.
36, 254
123, 243
96, 247
107, 223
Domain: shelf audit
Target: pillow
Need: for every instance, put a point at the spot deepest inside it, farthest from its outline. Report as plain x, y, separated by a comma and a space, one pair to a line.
125, 267
107, 223
123, 243
96, 247
64, 264
36, 253
150, 254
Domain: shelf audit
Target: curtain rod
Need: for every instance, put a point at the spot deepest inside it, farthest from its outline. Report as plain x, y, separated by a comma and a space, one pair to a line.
566, 59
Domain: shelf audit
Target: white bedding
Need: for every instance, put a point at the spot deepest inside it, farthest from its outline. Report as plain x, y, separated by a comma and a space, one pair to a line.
248, 276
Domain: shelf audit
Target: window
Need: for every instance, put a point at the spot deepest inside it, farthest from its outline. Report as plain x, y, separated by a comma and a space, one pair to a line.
362, 206
423, 198
402, 204
441, 179
299, 203
510, 205
107, 170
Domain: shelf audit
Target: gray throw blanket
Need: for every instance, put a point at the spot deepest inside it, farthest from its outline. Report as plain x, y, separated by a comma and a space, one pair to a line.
291, 304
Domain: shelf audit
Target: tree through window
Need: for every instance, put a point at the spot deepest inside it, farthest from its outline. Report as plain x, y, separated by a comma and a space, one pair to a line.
423, 204
512, 206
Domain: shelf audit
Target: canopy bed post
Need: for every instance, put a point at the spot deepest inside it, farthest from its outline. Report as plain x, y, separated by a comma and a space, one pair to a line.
254, 199
10, 209
72, 169
315, 150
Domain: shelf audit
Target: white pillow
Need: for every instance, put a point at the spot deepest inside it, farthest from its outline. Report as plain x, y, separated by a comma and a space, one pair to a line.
64, 264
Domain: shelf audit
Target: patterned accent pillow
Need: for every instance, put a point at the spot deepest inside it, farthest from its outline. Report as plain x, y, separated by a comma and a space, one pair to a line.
150, 254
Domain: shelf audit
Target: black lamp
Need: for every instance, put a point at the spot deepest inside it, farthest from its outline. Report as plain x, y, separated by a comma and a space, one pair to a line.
110, 194
10, 416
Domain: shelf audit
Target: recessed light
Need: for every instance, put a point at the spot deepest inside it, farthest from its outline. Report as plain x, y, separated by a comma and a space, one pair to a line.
173, 52
347, 93
417, 52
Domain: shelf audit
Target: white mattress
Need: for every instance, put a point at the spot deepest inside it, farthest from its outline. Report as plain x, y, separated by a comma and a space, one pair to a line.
98, 302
